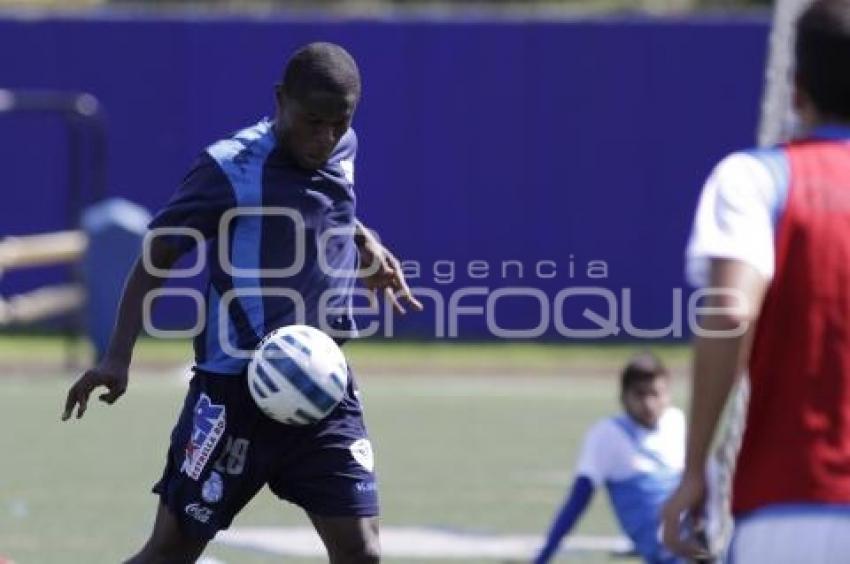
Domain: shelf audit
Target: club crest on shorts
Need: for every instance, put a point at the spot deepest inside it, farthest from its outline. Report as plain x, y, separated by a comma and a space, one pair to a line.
213, 489
208, 422
199, 512
361, 450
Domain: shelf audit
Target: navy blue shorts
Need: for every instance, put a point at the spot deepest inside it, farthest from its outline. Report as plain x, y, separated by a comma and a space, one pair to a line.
224, 450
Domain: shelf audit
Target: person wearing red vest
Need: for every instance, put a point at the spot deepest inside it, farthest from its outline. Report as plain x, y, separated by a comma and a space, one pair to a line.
771, 241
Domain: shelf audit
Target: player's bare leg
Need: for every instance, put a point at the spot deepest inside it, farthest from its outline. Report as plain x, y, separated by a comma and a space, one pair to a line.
167, 544
349, 540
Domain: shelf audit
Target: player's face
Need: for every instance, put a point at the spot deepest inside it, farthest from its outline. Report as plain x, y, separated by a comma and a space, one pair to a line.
311, 126
646, 400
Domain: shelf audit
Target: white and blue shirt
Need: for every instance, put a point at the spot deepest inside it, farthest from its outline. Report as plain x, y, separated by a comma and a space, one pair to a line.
640, 468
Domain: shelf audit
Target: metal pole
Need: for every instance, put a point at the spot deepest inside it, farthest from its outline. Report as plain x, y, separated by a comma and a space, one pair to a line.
83, 118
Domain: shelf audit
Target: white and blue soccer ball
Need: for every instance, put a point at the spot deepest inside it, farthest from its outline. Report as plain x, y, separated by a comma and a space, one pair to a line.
297, 375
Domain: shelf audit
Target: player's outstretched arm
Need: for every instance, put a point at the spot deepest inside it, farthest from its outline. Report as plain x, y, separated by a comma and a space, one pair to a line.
382, 272
111, 370
569, 514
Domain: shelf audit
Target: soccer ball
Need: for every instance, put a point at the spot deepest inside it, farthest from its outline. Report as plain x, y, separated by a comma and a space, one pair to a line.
297, 375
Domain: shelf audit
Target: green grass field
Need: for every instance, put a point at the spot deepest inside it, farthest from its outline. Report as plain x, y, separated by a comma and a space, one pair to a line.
472, 437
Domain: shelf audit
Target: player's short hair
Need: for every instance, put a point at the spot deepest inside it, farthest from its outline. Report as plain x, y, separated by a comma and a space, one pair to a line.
823, 56
324, 67
642, 367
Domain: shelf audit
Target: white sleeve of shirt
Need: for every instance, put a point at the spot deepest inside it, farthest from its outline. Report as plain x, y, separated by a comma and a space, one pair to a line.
601, 453
735, 218
673, 436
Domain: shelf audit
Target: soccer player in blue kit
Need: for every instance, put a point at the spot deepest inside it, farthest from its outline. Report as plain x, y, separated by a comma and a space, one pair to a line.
223, 449
638, 455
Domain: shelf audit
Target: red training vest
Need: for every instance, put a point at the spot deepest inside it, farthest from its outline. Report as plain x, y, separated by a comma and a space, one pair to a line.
796, 446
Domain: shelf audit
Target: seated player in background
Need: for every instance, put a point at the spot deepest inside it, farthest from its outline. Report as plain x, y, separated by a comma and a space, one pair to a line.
638, 455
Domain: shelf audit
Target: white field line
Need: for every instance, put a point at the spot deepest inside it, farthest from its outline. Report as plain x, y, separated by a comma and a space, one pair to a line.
414, 542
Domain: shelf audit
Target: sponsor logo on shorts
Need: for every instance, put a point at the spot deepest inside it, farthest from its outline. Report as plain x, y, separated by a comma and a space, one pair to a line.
213, 489
199, 512
361, 450
208, 422
366, 487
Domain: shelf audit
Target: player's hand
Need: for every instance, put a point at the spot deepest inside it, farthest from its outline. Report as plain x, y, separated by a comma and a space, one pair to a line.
382, 274
682, 517
110, 374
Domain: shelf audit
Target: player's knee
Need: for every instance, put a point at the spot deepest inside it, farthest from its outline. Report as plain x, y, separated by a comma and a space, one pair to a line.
368, 555
366, 552
161, 550
371, 553
168, 544
164, 555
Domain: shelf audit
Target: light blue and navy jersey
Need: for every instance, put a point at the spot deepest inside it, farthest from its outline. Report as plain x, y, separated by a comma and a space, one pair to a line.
293, 262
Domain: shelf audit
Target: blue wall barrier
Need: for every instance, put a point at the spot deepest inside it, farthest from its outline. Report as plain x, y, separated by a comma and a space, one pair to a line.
553, 144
